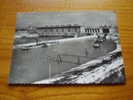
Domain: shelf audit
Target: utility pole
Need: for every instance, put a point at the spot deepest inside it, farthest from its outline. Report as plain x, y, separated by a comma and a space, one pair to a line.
86, 52
50, 72
49, 68
78, 60
59, 60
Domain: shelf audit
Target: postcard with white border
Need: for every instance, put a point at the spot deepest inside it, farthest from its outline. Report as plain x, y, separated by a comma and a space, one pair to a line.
73, 47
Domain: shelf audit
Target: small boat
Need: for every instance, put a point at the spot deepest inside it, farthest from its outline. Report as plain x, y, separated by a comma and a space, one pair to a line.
96, 44
44, 45
25, 48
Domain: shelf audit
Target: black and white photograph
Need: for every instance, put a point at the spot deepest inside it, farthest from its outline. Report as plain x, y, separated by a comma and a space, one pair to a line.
72, 47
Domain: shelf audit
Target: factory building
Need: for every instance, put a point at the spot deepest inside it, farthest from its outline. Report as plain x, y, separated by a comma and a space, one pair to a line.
59, 30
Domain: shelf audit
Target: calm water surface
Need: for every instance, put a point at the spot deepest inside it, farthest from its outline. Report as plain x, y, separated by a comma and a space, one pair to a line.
40, 63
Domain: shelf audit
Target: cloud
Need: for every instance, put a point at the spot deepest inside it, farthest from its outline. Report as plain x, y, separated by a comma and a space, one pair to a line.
72, 17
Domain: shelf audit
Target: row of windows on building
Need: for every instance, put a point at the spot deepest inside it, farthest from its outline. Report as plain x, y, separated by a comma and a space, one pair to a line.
61, 30
71, 29
92, 30
87, 30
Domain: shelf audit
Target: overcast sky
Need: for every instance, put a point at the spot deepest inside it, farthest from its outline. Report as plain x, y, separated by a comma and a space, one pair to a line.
85, 18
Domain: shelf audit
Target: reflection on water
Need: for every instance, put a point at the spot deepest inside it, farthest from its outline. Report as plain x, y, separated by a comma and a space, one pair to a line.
33, 65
